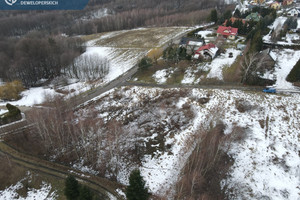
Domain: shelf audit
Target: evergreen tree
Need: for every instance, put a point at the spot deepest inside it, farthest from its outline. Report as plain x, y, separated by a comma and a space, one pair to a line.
214, 16
227, 14
85, 193
182, 53
237, 13
71, 188
257, 42
228, 22
136, 189
294, 75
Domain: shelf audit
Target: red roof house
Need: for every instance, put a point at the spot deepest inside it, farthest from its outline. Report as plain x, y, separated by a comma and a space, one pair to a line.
208, 52
228, 32
233, 19
208, 46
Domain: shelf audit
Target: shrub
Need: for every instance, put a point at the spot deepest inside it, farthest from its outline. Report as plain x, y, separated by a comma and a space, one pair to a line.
145, 63
11, 90
294, 75
14, 114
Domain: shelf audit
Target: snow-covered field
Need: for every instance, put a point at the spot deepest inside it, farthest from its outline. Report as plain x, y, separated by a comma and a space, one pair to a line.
44, 193
121, 60
266, 160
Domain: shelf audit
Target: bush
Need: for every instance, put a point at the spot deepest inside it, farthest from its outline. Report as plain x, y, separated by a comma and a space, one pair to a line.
294, 75
145, 63
11, 90
14, 114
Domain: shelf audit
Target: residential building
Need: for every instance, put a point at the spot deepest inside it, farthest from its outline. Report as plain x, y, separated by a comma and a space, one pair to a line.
207, 52
254, 17
275, 5
227, 32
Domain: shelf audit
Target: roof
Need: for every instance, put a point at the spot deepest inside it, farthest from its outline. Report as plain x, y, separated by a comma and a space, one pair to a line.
195, 43
186, 40
208, 46
233, 19
227, 30
253, 16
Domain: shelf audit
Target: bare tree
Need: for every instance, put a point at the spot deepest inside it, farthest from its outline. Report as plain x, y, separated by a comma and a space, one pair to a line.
89, 67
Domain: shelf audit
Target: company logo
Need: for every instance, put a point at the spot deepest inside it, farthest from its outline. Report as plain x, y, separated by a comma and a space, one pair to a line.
10, 2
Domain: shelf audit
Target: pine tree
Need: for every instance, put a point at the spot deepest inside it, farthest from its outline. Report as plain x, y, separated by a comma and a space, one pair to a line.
257, 42
71, 188
294, 75
214, 16
237, 13
136, 189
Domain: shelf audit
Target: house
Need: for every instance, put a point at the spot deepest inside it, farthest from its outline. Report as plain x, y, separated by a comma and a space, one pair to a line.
293, 12
191, 44
208, 52
254, 17
227, 32
233, 19
258, 1
287, 2
275, 5
186, 41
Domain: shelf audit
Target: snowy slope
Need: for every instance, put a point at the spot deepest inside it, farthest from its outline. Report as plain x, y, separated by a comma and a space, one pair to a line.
266, 160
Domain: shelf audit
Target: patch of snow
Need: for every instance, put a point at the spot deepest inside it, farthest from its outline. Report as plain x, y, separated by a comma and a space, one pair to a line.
81, 167
161, 76
204, 33
278, 23
189, 77
2, 111
32, 96
44, 192
220, 62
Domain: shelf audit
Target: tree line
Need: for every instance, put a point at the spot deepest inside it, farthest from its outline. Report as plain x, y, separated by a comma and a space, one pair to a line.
36, 56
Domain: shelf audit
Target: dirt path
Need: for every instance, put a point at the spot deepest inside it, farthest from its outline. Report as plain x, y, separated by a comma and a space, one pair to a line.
105, 187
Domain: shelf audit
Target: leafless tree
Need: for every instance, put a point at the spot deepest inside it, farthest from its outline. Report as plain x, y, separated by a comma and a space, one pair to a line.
89, 67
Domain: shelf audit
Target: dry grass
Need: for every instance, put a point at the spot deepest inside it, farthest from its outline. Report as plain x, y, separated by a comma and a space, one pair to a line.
233, 73
204, 169
140, 38
11, 90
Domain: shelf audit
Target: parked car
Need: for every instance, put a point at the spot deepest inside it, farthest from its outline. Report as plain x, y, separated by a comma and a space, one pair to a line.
269, 90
